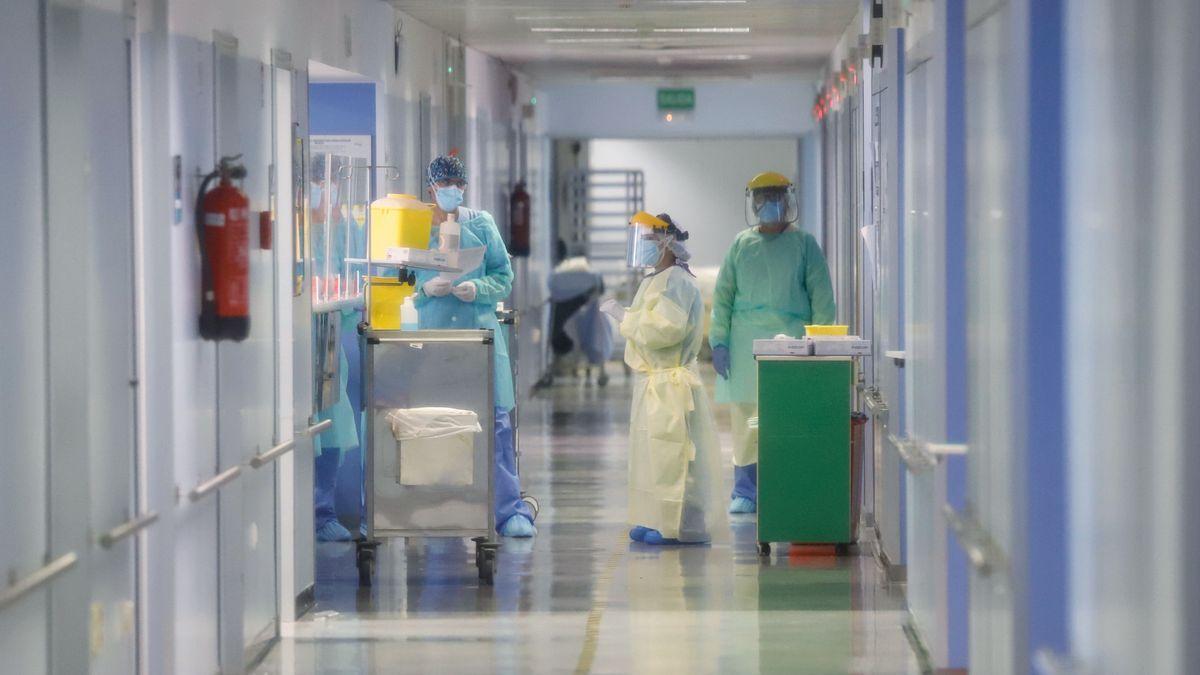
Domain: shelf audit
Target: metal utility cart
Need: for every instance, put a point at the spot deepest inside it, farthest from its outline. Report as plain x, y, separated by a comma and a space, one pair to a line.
419, 369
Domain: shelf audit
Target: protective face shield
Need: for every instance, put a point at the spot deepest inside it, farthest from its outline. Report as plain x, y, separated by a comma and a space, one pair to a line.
771, 200
643, 248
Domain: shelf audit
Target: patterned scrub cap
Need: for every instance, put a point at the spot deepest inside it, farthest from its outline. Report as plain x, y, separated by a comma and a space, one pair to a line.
447, 167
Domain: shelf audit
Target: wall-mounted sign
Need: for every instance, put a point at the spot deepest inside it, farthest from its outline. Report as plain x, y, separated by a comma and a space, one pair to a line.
676, 99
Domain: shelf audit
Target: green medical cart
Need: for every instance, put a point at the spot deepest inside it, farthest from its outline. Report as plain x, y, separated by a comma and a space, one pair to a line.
804, 474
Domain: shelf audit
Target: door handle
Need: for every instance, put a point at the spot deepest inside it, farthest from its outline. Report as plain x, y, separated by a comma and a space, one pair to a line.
126, 530
18, 589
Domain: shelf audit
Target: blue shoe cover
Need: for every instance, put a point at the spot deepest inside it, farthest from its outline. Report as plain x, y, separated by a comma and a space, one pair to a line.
518, 526
742, 505
333, 531
655, 538
638, 533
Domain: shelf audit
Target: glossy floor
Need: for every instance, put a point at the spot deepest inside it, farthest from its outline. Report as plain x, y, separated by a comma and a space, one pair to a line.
582, 598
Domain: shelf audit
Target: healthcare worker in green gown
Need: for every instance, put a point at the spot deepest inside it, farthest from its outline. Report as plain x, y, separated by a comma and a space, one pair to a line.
773, 281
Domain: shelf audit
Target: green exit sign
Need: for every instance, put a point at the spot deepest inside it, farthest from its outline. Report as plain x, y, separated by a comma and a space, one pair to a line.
676, 99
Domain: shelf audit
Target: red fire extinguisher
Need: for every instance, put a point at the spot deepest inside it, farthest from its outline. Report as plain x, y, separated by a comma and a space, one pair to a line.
223, 228
519, 221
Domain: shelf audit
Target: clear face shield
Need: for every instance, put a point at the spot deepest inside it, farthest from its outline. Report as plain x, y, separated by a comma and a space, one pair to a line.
771, 206
643, 249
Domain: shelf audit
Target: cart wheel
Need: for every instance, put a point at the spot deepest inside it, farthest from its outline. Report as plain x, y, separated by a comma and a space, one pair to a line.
603, 381
764, 549
841, 550
533, 504
487, 566
366, 564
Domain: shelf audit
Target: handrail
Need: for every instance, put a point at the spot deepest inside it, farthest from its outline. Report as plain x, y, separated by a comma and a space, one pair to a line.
128, 529
913, 454
259, 461
18, 589
876, 405
970, 538
212, 484
920, 456
318, 427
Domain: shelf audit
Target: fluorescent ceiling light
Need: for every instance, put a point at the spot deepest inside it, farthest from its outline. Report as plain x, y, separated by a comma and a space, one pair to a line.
555, 29
698, 2
719, 29
724, 57
569, 17
599, 40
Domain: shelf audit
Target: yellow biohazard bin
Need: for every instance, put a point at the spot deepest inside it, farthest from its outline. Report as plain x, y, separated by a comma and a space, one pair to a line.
385, 295
399, 221
826, 330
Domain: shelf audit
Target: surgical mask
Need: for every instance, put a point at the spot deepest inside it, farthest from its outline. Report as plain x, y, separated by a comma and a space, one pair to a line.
771, 213
649, 255
449, 198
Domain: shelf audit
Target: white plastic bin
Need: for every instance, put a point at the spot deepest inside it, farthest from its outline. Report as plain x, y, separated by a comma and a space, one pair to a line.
434, 446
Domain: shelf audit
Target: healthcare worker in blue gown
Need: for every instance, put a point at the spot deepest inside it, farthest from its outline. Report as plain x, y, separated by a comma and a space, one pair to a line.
469, 302
331, 446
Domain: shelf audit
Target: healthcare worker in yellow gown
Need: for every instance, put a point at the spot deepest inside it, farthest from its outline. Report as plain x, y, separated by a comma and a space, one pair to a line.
673, 451
773, 281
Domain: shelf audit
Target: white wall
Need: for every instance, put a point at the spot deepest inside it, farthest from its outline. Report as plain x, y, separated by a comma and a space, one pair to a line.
761, 107
203, 407
700, 182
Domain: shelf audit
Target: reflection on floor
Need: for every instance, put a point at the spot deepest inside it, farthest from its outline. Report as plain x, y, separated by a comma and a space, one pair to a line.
582, 598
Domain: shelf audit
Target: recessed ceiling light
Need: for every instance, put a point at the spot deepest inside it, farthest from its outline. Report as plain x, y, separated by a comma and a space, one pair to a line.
556, 29
718, 29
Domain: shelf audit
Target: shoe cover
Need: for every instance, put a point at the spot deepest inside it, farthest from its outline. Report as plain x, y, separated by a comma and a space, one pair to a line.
518, 526
638, 533
742, 505
332, 531
655, 538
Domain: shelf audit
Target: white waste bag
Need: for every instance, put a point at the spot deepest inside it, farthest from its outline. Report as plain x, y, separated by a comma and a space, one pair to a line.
434, 446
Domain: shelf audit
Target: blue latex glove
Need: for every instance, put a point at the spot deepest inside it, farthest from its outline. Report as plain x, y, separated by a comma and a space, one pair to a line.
720, 355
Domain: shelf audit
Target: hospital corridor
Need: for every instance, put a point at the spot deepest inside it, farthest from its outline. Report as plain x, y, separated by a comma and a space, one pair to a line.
579, 597
599, 336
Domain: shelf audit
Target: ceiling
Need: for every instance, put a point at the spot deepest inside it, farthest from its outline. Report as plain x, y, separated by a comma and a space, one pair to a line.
645, 38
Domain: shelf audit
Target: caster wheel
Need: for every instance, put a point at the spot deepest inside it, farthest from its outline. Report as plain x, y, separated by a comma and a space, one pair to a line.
764, 549
366, 567
602, 381
487, 566
533, 504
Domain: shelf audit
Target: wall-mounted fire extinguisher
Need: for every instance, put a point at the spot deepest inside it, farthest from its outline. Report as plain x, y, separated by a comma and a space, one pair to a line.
518, 218
223, 228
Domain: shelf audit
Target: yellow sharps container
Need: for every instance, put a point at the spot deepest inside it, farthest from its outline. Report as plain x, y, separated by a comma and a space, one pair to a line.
399, 221
385, 296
